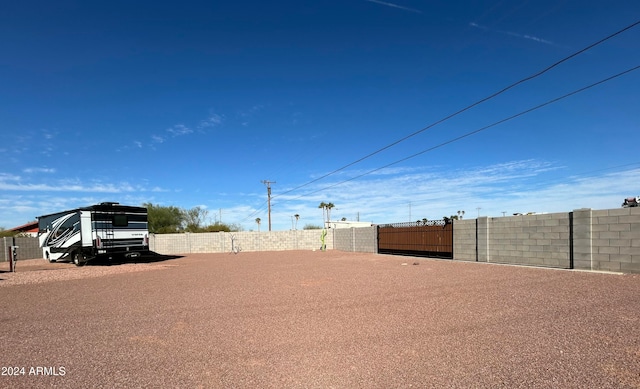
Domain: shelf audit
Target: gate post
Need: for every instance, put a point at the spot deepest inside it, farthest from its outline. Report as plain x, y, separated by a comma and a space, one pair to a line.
13, 258
10, 259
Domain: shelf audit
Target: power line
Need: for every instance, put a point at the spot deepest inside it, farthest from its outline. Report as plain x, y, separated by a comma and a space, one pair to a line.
476, 131
549, 102
501, 91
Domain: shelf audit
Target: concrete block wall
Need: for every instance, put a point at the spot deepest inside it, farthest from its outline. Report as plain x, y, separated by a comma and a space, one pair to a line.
464, 239
28, 247
538, 240
581, 249
585, 239
361, 239
535, 240
365, 239
343, 238
220, 242
615, 241
482, 239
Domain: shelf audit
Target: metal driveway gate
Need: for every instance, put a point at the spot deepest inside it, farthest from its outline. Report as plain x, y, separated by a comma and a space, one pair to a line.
432, 238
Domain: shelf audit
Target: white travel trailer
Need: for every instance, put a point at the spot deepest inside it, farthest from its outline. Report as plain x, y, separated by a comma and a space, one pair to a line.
105, 229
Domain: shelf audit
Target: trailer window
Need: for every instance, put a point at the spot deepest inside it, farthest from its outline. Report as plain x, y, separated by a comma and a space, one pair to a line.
120, 221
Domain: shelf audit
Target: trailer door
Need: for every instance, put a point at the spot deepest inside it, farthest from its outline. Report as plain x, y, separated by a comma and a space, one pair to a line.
85, 229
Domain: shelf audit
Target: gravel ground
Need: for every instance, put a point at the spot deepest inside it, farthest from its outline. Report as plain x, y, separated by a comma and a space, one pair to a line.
302, 319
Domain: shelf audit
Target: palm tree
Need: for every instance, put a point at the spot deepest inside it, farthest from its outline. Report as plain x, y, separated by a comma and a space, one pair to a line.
329, 207
258, 220
323, 205
326, 207
297, 217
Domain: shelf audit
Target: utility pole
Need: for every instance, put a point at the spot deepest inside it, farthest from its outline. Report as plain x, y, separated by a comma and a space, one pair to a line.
268, 184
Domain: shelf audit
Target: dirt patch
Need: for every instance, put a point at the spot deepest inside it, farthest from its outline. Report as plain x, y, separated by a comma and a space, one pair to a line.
303, 319
36, 271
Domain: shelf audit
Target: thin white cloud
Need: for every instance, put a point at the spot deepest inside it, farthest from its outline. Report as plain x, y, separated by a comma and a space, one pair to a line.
171, 132
533, 38
212, 121
251, 111
247, 115
17, 184
47, 134
31, 170
410, 194
394, 6
517, 186
5, 177
19, 209
95, 188
179, 130
511, 33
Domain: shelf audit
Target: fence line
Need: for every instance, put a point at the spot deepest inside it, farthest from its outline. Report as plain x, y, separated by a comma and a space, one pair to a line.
582, 239
29, 248
220, 242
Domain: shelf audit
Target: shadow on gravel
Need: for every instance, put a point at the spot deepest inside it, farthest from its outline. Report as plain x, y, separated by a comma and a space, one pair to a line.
149, 257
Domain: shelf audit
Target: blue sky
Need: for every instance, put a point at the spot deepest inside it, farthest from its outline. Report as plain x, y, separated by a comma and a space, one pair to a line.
194, 103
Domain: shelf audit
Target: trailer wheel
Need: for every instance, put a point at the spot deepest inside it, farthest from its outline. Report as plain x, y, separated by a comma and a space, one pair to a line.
79, 259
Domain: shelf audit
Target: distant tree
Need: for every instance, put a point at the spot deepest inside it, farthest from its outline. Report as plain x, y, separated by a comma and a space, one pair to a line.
164, 220
221, 227
217, 227
194, 219
326, 212
323, 205
297, 218
450, 219
311, 227
7, 233
258, 220
330, 206
235, 227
